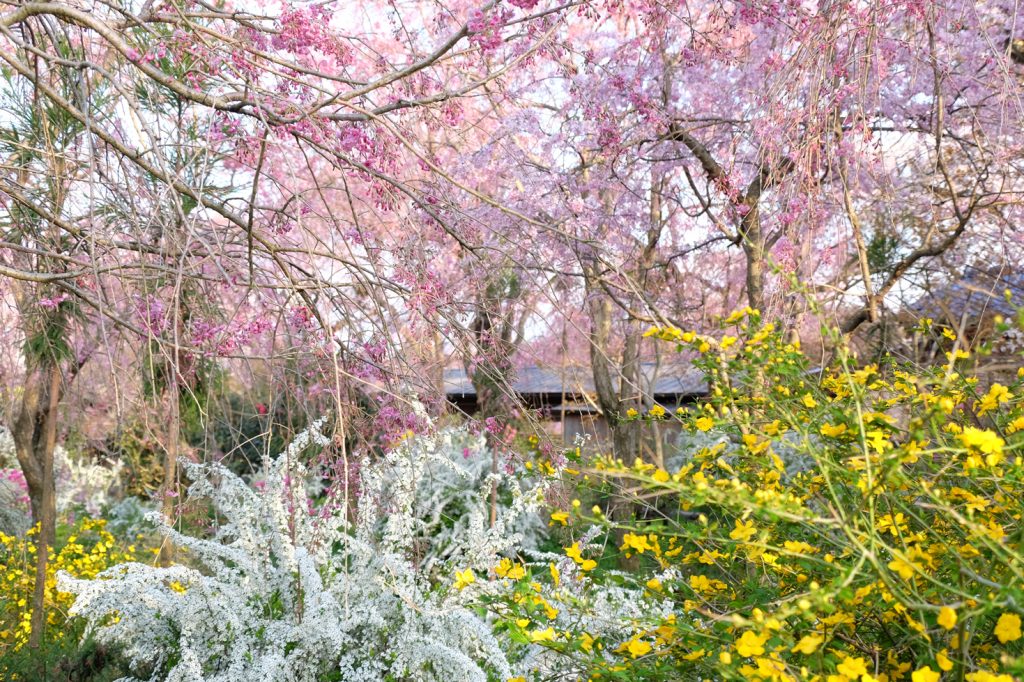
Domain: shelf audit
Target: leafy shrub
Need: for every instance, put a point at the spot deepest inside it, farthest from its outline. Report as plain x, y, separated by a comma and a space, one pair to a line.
141, 457
69, 659
854, 523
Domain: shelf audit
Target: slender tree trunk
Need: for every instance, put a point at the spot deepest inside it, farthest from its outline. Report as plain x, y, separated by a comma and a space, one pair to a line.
170, 486
615, 403
625, 433
495, 339
754, 249
45, 511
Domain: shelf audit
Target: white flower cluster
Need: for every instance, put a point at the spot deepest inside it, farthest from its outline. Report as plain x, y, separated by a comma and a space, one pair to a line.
79, 482
8, 456
84, 483
447, 497
285, 592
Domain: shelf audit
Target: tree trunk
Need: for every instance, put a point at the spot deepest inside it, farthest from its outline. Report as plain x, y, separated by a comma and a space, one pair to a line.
35, 437
170, 486
490, 380
614, 405
754, 248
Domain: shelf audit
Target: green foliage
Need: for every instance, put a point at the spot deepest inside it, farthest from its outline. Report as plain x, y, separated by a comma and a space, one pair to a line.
883, 252
46, 340
72, 659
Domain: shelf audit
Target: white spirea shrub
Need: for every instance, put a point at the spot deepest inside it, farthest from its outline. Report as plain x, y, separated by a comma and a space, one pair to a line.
8, 456
448, 492
82, 483
283, 592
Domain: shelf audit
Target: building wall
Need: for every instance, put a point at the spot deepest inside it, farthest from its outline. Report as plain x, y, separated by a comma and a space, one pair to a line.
595, 426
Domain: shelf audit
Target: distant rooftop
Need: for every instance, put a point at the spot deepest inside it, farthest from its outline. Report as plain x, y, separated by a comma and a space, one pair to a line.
673, 380
975, 295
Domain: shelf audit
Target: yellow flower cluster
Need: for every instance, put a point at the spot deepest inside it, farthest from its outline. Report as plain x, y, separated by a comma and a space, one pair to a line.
856, 523
88, 549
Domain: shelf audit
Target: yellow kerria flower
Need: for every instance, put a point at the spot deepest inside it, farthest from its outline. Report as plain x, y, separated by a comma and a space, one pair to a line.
947, 617
510, 569
798, 547
751, 644
833, 431
743, 530
996, 396
657, 411
809, 401
853, 668
808, 644
547, 635
638, 648
984, 442
704, 423
1008, 628
637, 543
464, 578
737, 315
556, 577
893, 524
559, 517
910, 563
751, 441
960, 354
925, 674
701, 583
986, 676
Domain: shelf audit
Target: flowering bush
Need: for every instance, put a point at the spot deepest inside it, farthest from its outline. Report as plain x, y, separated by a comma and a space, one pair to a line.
79, 481
15, 512
85, 484
87, 549
448, 496
285, 590
858, 523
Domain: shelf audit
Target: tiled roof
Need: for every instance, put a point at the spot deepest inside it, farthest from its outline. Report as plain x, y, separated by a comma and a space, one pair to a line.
669, 379
975, 295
